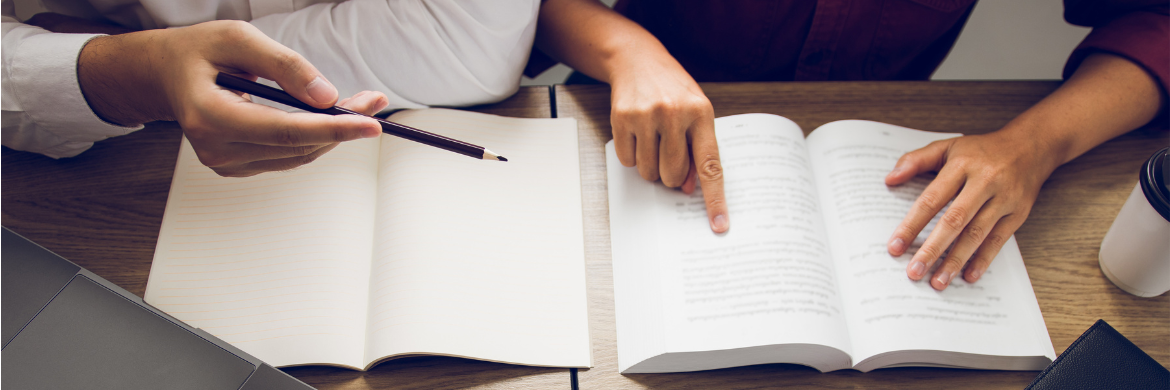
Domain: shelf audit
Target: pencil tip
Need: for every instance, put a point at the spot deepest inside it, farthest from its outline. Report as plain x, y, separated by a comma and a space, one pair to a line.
501, 158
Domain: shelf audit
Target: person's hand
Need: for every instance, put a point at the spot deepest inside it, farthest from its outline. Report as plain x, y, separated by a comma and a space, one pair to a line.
170, 75
664, 125
662, 121
991, 181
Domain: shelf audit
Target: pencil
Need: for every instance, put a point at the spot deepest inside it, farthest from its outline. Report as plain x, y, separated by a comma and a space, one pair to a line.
256, 89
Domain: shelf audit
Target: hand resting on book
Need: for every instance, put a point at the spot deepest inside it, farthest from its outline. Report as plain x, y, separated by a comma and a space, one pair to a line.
992, 180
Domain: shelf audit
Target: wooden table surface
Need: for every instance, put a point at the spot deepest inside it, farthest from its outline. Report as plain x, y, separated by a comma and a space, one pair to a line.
1059, 242
103, 208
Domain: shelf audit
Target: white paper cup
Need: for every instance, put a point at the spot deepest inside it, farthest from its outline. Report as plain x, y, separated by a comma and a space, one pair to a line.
1135, 254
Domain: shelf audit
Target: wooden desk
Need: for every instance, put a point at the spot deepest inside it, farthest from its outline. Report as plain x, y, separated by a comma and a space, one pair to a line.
1059, 242
102, 210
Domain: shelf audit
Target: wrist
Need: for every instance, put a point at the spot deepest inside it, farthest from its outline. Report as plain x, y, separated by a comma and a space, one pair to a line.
118, 79
1050, 149
1106, 97
637, 62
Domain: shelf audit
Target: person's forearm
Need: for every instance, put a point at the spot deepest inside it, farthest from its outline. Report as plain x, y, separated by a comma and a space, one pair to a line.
1106, 97
595, 40
118, 79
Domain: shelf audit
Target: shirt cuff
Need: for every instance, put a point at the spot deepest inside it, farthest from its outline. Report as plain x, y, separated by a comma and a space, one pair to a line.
1142, 37
43, 72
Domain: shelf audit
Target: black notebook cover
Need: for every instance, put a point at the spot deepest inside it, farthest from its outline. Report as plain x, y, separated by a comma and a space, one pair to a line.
1103, 359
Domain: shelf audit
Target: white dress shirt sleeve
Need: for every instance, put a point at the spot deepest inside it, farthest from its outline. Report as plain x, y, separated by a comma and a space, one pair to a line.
44, 110
419, 53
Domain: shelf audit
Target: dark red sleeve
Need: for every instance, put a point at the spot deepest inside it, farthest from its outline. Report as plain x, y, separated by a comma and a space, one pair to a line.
1141, 35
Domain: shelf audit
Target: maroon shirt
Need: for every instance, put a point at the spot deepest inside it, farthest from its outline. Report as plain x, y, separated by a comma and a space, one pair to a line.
809, 40
1137, 30
781, 40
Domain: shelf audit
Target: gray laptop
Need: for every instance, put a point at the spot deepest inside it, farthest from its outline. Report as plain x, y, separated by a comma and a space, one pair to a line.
67, 328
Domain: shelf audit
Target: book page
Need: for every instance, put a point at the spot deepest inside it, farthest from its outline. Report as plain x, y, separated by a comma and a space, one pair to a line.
997, 316
480, 259
768, 281
276, 264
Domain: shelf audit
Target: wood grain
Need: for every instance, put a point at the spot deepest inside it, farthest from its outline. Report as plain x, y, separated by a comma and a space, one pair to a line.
1059, 242
103, 209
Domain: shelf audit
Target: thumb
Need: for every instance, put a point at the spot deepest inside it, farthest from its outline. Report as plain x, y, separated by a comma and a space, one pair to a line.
929, 158
253, 52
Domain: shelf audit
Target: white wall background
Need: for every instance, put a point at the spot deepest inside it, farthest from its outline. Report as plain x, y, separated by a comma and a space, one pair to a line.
1003, 40
1012, 40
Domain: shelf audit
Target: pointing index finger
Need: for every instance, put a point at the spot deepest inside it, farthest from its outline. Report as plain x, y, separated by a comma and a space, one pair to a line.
705, 151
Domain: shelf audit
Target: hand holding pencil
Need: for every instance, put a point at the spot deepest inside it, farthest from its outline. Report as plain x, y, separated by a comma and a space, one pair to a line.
260, 90
169, 75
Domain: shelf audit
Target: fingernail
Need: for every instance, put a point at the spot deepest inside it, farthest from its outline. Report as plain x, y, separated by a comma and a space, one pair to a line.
974, 275
920, 257
719, 224
895, 171
321, 91
943, 279
896, 246
372, 132
916, 270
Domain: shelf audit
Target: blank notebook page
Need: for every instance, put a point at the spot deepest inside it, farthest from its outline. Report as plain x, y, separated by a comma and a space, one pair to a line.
481, 259
276, 264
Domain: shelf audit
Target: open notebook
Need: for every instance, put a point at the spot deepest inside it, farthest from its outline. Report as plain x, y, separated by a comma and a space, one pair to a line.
386, 248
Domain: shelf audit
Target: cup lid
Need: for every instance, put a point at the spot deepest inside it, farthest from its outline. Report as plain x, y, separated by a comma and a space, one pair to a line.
1155, 182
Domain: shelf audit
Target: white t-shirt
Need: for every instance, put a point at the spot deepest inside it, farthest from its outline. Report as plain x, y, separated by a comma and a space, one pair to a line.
418, 52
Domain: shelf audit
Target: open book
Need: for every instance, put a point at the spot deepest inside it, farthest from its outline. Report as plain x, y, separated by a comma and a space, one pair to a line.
386, 248
803, 275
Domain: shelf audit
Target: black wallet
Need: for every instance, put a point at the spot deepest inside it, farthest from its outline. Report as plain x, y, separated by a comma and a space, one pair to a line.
1103, 359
